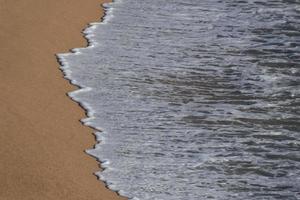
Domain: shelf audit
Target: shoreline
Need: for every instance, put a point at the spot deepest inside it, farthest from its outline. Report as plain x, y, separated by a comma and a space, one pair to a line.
42, 142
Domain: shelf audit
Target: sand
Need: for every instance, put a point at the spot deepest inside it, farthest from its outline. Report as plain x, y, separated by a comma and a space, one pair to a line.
42, 141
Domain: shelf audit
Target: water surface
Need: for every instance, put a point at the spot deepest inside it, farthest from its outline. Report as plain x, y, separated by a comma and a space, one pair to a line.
196, 99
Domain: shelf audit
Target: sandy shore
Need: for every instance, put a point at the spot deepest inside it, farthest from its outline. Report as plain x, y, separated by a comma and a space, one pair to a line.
41, 139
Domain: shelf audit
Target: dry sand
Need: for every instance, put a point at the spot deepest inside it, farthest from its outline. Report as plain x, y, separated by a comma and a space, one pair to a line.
41, 139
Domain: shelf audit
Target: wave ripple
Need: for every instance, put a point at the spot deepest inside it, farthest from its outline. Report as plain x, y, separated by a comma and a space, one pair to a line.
196, 99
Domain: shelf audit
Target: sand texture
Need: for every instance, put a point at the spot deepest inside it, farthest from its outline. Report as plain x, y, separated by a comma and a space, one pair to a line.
42, 141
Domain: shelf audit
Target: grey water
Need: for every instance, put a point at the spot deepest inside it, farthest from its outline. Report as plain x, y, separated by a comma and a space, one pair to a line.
195, 99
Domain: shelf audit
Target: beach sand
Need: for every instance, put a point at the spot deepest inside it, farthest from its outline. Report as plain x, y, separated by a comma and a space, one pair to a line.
42, 142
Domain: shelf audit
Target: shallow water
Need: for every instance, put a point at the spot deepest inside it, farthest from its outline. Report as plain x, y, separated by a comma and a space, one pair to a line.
196, 99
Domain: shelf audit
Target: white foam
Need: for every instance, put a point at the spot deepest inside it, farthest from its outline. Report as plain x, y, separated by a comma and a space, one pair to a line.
67, 71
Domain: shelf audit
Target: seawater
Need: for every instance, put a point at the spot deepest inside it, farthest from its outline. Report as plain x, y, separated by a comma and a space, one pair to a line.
195, 99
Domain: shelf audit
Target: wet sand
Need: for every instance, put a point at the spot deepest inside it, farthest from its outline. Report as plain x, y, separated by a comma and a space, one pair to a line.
42, 141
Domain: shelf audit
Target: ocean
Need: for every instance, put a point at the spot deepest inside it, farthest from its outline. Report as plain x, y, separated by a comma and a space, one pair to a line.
194, 99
